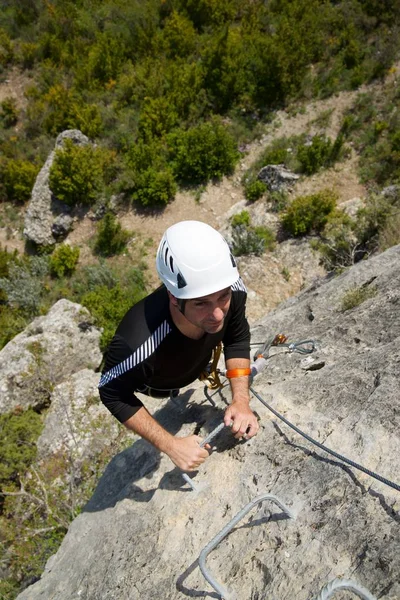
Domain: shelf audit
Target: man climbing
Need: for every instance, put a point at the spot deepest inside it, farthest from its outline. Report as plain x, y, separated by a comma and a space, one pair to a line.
165, 341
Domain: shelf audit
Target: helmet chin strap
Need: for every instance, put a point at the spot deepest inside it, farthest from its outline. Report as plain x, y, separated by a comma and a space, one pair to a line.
181, 305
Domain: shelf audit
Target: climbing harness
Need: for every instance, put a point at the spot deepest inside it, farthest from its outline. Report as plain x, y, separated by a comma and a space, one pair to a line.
211, 374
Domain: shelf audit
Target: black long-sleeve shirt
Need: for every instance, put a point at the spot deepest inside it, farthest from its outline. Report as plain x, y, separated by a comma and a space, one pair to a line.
149, 351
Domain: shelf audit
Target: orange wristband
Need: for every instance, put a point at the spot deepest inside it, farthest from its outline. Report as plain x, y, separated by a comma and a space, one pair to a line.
237, 373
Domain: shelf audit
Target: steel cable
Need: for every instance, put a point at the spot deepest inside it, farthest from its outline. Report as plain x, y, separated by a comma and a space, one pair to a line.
332, 452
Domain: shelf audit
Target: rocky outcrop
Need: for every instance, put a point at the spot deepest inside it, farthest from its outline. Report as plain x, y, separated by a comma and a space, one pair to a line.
141, 534
77, 422
50, 349
277, 177
46, 218
61, 226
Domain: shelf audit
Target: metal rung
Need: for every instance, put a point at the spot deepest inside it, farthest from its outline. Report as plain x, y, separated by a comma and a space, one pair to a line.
225, 594
345, 584
206, 440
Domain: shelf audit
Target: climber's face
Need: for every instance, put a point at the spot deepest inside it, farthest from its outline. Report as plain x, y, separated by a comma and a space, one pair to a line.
208, 312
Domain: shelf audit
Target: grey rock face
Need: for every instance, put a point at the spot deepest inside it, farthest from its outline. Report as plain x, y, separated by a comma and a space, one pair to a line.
61, 226
141, 534
77, 422
277, 177
43, 209
391, 192
78, 138
51, 348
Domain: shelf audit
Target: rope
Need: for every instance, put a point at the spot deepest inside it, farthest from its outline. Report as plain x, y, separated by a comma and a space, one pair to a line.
332, 452
261, 357
344, 584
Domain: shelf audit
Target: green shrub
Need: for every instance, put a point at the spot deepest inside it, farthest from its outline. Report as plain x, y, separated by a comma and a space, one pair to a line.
6, 258
276, 153
19, 430
389, 233
203, 152
29, 52
380, 159
61, 108
63, 261
338, 246
77, 173
376, 217
278, 200
17, 178
178, 36
266, 235
345, 241
24, 284
315, 155
147, 177
309, 213
104, 59
92, 276
6, 49
153, 188
254, 190
12, 322
157, 117
109, 305
111, 239
141, 155
251, 240
9, 589
356, 296
9, 112
242, 218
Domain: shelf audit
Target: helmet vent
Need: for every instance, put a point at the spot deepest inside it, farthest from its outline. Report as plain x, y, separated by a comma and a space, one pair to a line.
181, 281
233, 261
171, 263
166, 256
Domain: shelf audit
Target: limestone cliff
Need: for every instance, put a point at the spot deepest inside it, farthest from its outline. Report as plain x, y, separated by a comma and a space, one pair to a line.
140, 535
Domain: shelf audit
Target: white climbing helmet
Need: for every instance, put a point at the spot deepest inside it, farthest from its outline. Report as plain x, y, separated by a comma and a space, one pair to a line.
194, 260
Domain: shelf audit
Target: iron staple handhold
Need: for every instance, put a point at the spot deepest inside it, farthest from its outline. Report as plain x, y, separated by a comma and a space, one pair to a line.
344, 584
225, 594
206, 440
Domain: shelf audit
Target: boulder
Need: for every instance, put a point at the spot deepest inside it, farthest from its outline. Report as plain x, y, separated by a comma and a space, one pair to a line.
43, 209
50, 349
391, 192
61, 226
141, 534
277, 177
